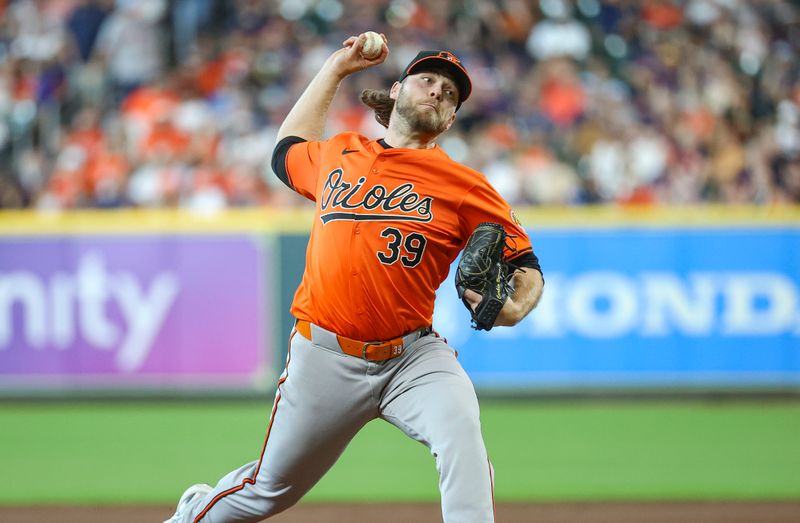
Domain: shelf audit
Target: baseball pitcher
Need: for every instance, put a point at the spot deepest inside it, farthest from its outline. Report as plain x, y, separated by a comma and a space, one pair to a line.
391, 217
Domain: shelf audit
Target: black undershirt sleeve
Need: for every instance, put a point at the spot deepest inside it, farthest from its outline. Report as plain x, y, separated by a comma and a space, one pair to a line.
279, 158
528, 260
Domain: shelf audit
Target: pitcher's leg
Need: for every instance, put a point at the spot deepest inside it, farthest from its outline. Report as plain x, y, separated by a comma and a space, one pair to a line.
432, 400
319, 407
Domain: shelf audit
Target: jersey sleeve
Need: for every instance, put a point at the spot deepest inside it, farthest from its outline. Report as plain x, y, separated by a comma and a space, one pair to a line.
483, 204
297, 162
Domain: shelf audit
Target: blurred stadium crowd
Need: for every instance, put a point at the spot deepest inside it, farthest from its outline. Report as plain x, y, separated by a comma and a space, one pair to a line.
176, 103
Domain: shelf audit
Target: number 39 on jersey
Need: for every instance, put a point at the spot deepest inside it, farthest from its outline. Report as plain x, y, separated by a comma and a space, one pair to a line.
408, 248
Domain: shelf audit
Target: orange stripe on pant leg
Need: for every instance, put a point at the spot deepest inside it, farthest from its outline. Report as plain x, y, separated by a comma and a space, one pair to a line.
252, 481
491, 483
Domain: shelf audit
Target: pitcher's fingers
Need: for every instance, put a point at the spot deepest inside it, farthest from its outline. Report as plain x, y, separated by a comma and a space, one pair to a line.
473, 298
354, 49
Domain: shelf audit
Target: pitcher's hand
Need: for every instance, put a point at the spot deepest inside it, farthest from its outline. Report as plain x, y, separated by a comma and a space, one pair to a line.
348, 59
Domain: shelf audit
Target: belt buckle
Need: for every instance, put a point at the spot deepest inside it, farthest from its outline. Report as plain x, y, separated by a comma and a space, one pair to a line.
366, 345
364, 350
394, 350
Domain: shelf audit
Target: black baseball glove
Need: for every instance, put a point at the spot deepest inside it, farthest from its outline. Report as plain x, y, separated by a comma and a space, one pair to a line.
482, 269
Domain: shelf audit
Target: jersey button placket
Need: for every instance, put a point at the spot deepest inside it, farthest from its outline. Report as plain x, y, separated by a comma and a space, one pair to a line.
355, 261
356, 237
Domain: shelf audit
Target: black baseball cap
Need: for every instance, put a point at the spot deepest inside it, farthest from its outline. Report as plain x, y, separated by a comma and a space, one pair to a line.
441, 61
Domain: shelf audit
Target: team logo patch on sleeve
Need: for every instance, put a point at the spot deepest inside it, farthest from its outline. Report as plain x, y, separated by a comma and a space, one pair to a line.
515, 219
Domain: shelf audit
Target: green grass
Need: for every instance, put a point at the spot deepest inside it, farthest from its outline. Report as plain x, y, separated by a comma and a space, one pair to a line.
149, 452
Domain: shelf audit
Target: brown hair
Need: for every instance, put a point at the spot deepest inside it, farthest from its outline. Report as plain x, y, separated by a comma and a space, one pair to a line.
380, 102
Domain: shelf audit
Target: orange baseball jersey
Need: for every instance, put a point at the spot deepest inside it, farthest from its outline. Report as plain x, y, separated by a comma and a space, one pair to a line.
389, 223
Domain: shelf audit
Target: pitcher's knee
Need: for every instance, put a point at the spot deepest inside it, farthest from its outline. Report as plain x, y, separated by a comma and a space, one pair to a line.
465, 423
463, 435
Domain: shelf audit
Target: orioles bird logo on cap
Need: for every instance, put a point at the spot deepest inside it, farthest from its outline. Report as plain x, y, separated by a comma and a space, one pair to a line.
449, 56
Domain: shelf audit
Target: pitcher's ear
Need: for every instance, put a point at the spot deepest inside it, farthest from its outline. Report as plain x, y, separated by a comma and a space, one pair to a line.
395, 90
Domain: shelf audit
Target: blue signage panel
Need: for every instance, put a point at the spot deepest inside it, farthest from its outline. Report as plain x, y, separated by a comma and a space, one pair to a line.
674, 308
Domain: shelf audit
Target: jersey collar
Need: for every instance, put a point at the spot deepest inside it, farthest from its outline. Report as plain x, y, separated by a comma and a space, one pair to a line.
380, 146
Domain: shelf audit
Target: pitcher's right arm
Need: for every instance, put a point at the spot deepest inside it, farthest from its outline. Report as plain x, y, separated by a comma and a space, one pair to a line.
307, 118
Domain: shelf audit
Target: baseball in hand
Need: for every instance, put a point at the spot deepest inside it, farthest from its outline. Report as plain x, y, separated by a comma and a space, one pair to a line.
372, 45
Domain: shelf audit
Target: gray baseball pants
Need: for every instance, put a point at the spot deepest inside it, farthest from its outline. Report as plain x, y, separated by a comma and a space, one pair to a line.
325, 397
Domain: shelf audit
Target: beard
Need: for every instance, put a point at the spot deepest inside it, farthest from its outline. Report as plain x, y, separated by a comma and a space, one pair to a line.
420, 120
